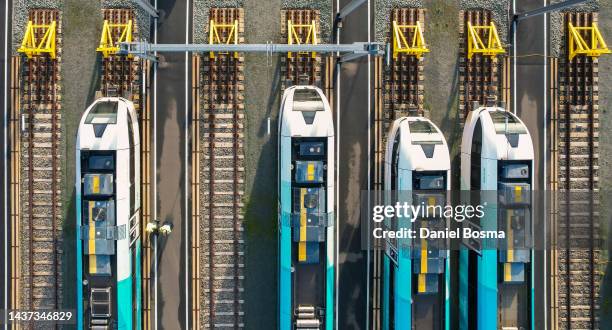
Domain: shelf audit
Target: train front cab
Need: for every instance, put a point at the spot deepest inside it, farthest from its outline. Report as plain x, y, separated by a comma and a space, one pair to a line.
416, 282
496, 283
306, 228
108, 217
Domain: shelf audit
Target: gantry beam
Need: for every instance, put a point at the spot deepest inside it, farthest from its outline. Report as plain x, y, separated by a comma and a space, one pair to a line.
349, 8
145, 49
146, 5
546, 9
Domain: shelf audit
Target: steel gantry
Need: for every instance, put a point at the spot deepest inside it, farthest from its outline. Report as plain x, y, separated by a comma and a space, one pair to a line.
301, 34
349, 51
108, 45
415, 47
220, 34
33, 46
476, 33
579, 46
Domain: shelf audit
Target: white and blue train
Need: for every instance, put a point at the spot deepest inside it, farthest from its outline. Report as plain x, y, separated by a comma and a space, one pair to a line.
416, 277
108, 216
306, 204
496, 283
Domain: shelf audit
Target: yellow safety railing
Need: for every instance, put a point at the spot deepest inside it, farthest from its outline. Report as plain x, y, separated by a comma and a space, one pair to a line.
31, 46
415, 47
295, 38
214, 37
108, 45
579, 46
493, 46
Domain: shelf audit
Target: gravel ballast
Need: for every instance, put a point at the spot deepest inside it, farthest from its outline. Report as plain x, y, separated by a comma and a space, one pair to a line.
21, 9
201, 12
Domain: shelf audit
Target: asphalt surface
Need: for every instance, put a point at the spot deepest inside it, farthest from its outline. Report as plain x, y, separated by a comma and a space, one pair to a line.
5, 103
170, 133
531, 93
353, 177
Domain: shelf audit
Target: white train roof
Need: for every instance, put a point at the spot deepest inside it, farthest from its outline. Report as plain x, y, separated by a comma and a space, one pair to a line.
422, 145
104, 125
305, 112
504, 135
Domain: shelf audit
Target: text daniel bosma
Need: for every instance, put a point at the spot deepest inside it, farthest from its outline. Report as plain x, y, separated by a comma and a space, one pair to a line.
412, 212
446, 233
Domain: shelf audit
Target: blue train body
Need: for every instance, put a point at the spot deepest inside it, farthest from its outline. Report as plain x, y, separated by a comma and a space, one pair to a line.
416, 272
306, 204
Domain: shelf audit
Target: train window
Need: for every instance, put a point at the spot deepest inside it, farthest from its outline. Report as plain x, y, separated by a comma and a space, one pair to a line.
312, 149
395, 160
100, 301
307, 100
101, 162
103, 113
476, 157
506, 123
132, 166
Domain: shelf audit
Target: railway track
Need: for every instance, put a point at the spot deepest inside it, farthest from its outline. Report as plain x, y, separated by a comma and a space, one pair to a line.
479, 79
578, 280
300, 68
40, 195
121, 74
221, 179
127, 77
403, 78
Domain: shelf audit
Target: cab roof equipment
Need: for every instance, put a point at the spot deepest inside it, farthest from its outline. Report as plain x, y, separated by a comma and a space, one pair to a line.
300, 34
493, 46
416, 46
579, 46
32, 46
223, 34
108, 45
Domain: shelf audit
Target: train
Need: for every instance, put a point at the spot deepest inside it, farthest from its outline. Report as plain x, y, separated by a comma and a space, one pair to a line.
108, 245
306, 210
416, 277
496, 285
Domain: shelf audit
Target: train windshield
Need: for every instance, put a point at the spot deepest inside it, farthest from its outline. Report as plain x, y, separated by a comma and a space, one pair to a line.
422, 127
103, 113
505, 123
307, 100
